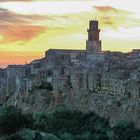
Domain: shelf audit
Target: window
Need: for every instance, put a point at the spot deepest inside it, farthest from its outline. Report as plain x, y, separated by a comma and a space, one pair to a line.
139, 92
129, 94
62, 70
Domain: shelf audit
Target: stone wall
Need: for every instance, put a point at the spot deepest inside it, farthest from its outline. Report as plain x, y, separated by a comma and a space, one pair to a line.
113, 107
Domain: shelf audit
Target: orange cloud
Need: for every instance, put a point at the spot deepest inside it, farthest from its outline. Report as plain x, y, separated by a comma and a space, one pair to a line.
107, 9
111, 17
20, 33
16, 27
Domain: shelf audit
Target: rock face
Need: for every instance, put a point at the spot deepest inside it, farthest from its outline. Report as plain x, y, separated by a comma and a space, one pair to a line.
109, 106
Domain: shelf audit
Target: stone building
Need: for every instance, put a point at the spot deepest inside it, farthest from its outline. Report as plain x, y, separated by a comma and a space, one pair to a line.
43, 76
135, 53
56, 57
91, 70
36, 65
132, 89
135, 75
92, 54
15, 74
93, 44
3, 76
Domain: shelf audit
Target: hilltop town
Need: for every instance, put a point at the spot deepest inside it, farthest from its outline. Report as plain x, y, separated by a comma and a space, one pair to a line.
78, 74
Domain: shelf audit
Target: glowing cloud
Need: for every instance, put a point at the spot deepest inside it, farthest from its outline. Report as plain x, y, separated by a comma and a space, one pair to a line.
16, 27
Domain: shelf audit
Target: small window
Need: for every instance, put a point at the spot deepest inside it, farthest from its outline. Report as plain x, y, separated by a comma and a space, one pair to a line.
62, 70
129, 94
139, 92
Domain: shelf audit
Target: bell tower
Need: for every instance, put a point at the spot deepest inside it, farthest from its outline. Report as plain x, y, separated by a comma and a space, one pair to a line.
93, 44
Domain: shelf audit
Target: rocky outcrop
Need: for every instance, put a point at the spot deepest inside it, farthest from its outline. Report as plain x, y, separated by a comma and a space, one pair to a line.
109, 106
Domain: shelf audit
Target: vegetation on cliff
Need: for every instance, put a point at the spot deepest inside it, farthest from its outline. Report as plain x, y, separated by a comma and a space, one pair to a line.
61, 124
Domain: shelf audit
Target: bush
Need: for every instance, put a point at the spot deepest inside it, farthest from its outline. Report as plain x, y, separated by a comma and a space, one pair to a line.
71, 124
12, 137
28, 134
62, 124
12, 120
66, 136
40, 122
125, 130
51, 137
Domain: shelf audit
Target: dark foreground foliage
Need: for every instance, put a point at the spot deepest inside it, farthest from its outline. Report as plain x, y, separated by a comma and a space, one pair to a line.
12, 120
62, 124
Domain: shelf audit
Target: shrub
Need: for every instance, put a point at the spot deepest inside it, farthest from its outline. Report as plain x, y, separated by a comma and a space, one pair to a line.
64, 123
40, 122
12, 137
125, 130
12, 120
51, 137
28, 134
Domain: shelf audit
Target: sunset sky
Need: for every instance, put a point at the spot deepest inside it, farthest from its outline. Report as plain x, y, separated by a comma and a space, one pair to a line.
30, 27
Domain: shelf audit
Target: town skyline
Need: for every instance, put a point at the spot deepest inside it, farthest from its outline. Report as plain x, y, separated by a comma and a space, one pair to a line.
90, 79
30, 28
